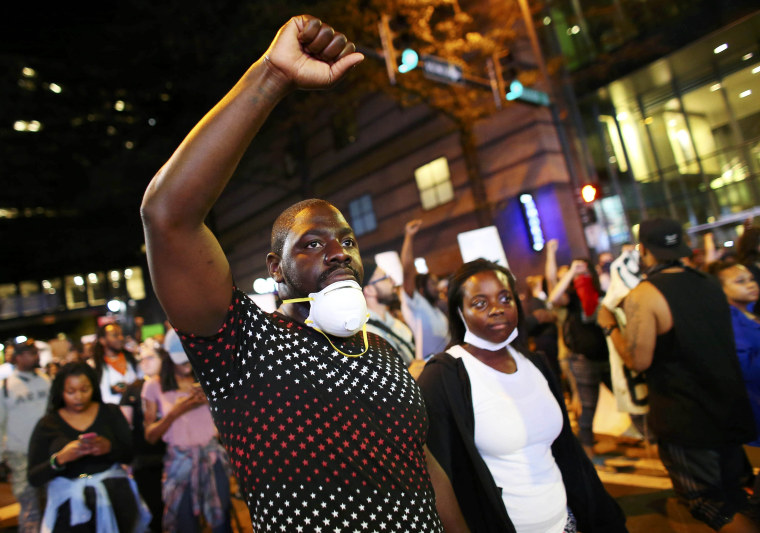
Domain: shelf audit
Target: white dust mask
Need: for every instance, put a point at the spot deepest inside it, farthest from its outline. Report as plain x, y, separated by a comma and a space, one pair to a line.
339, 309
479, 342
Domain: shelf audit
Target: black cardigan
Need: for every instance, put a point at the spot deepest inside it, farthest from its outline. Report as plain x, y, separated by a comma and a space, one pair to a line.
446, 388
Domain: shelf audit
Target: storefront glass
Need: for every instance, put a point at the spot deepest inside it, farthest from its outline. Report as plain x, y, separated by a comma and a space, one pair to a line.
682, 135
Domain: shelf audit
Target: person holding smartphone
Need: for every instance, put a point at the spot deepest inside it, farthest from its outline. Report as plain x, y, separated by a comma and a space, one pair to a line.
196, 472
78, 449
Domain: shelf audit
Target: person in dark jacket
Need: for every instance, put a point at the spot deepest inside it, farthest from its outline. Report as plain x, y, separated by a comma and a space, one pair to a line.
498, 425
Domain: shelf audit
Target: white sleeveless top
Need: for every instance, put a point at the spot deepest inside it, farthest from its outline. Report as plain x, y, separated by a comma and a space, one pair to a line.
516, 421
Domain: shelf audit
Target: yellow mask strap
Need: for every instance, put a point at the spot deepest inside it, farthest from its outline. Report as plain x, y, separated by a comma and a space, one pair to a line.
364, 334
297, 300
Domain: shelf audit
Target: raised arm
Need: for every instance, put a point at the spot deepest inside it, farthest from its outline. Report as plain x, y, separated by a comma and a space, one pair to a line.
711, 251
189, 271
550, 267
557, 294
407, 255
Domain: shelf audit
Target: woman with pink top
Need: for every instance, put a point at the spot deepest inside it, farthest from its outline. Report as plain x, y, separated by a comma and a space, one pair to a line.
196, 477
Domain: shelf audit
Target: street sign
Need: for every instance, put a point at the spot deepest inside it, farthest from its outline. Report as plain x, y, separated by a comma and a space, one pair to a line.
519, 92
439, 69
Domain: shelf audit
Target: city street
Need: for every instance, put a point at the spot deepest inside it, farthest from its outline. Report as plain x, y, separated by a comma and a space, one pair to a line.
635, 479
630, 470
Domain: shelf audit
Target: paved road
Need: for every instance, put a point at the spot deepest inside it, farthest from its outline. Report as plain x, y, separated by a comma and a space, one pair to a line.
630, 471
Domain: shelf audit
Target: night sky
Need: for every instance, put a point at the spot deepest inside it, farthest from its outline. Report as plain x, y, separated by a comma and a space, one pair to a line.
134, 77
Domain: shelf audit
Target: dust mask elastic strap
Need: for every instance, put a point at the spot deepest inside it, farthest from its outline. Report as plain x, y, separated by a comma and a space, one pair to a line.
483, 344
311, 324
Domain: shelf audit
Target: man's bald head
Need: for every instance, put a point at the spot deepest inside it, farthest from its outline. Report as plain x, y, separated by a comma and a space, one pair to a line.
285, 221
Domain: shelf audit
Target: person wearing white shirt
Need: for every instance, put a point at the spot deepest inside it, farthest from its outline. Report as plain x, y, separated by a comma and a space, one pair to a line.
23, 401
418, 301
498, 424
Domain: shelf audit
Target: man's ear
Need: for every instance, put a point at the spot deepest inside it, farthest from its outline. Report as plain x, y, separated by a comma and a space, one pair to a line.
274, 262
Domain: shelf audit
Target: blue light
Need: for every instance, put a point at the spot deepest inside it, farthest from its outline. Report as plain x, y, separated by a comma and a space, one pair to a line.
515, 90
409, 61
533, 219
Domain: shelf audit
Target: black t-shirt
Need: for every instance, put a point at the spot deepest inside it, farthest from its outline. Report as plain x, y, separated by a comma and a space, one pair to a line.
697, 395
318, 441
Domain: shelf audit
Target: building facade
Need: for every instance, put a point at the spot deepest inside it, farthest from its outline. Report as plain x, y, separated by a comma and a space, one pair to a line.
667, 100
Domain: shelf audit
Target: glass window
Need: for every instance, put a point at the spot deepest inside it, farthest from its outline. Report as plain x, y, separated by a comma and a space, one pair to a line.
742, 90
362, 214
8, 300
434, 183
53, 294
76, 292
96, 293
30, 298
135, 283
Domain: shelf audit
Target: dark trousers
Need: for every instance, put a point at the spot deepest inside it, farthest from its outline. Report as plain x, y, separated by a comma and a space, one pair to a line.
149, 485
710, 480
188, 523
125, 511
588, 375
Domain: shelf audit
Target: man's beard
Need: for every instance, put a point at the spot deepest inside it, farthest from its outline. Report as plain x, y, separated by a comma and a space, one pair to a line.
296, 292
389, 299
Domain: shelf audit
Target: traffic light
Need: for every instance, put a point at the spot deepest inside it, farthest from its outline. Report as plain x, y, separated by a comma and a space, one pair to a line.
394, 37
589, 193
409, 61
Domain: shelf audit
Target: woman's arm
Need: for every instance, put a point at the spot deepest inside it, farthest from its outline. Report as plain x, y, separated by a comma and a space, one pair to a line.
550, 267
156, 427
445, 500
40, 456
557, 295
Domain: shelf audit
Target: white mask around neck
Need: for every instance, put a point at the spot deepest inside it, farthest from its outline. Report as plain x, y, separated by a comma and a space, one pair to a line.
479, 342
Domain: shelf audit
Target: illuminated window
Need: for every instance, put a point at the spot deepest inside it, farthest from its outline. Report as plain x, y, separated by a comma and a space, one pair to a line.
362, 214
30, 297
434, 183
96, 289
135, 283
8, 300
76, 292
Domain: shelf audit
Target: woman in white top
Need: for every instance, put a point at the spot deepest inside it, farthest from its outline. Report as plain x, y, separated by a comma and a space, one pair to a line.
498, 424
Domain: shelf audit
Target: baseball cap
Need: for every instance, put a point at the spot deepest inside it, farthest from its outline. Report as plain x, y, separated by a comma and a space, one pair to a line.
26, 345
173, 345
664, 238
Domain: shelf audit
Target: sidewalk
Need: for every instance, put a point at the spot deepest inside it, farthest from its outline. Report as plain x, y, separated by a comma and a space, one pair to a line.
635, 477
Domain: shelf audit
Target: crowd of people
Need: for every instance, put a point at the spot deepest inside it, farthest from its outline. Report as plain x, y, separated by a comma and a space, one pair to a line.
147, 458
441, 404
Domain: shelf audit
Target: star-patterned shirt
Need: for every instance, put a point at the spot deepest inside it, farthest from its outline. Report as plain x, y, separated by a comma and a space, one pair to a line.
319, 442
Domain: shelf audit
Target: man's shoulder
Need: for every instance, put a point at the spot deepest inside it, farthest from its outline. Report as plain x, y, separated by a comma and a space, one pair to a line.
644, 293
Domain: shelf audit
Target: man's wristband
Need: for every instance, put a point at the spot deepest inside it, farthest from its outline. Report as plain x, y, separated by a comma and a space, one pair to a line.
608, 329
53, 464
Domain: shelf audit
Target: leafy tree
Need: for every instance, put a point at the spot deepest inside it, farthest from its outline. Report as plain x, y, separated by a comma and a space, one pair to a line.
466, 33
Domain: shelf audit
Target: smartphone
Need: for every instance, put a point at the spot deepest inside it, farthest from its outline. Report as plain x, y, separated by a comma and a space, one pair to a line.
88, 436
